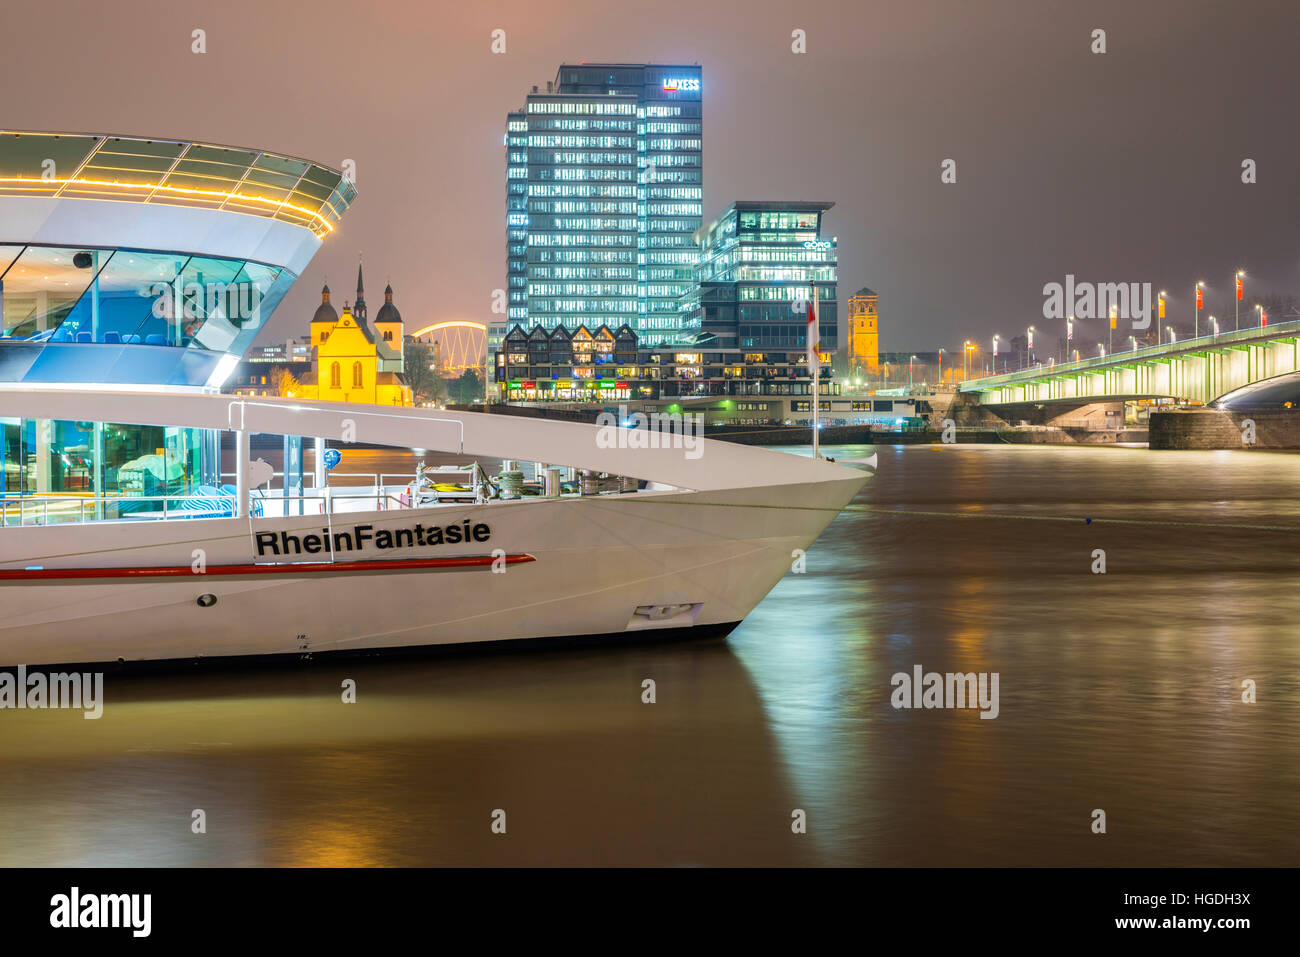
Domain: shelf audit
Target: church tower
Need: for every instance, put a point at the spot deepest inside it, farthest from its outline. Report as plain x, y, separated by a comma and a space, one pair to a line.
864, 331
359, 307
325, 319
390, 333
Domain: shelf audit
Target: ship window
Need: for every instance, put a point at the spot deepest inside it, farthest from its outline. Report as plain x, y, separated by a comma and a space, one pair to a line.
43, 285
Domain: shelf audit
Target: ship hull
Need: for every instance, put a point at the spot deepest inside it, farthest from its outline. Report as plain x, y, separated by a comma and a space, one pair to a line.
642, 565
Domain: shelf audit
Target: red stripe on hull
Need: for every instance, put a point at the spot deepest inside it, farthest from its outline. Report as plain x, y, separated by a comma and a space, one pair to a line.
287, 568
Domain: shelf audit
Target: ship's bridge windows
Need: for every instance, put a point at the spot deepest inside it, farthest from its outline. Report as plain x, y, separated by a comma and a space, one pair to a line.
256, 291
41, 287
127, 296
7, 255
213, 295
129, 287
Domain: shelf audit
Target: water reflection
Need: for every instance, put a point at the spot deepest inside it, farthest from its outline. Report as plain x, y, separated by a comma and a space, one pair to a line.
410, 774
1119, 691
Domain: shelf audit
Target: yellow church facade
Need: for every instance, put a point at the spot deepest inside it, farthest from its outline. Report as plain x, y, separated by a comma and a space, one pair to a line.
353, 360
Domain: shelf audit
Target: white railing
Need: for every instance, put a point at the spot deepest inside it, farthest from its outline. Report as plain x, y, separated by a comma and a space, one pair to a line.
375, 478
59, 509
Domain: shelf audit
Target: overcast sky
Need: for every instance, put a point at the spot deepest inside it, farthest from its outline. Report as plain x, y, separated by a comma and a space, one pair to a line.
1117, 167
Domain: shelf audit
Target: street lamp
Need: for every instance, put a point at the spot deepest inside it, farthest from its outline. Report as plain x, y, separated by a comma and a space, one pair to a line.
1214, 324
1160, 314
995, 354
1029, 346
1069, 336
967, 348
1263, 316
1172, 336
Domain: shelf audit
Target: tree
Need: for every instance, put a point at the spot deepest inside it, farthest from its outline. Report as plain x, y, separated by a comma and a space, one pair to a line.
427, 387
284, 382
1281, 307
468, 388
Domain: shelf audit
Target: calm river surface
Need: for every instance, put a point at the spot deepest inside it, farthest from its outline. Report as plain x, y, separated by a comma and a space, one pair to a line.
1119, 691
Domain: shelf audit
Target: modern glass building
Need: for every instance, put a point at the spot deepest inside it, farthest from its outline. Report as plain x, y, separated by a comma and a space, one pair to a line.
604, 190
130, 261
756, 261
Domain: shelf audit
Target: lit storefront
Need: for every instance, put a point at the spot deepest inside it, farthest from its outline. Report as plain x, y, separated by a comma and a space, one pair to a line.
585, 367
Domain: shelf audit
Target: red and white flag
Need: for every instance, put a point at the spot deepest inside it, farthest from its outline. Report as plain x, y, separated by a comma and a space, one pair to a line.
814, 336
1241, 288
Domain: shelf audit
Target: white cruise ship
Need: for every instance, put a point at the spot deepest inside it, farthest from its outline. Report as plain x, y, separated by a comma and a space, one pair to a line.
121, 541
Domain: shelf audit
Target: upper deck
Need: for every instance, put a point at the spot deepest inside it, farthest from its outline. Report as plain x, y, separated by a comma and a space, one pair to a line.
149, 262
127, 169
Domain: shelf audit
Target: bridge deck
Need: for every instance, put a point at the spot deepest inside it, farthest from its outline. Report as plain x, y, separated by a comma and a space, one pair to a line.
1196, 370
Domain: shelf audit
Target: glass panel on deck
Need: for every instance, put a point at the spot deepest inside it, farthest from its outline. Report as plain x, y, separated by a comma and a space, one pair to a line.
259, 287
42, 286
129, 288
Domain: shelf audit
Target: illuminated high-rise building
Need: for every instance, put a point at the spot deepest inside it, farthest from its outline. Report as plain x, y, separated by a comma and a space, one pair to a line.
604, 189
757, 259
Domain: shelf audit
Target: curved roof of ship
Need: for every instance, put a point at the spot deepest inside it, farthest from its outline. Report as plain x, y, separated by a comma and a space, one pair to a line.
173, 172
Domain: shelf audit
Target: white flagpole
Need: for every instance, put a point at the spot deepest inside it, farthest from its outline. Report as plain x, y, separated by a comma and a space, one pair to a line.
814, 332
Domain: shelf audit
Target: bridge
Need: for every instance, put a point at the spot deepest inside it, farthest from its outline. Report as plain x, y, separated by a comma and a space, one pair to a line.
1197, 370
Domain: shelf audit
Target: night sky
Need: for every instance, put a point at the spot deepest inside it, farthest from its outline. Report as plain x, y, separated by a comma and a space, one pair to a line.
1117, 167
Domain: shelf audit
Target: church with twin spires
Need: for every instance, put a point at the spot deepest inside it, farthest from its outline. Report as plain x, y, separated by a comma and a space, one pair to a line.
354, 359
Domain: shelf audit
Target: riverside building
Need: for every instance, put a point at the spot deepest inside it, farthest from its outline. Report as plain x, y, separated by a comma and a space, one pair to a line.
604, 191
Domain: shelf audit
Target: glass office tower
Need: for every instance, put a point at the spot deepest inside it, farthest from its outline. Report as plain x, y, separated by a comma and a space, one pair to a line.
756, 261
604, 190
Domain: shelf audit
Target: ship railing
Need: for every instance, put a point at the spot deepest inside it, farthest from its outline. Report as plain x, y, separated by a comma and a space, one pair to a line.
62, 508
329, 501
374, 478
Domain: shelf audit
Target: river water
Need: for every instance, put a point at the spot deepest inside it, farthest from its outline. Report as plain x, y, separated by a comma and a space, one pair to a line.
1120, 692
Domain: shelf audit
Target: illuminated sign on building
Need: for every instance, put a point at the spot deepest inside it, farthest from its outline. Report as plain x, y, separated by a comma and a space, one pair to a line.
685, 84
817, 244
